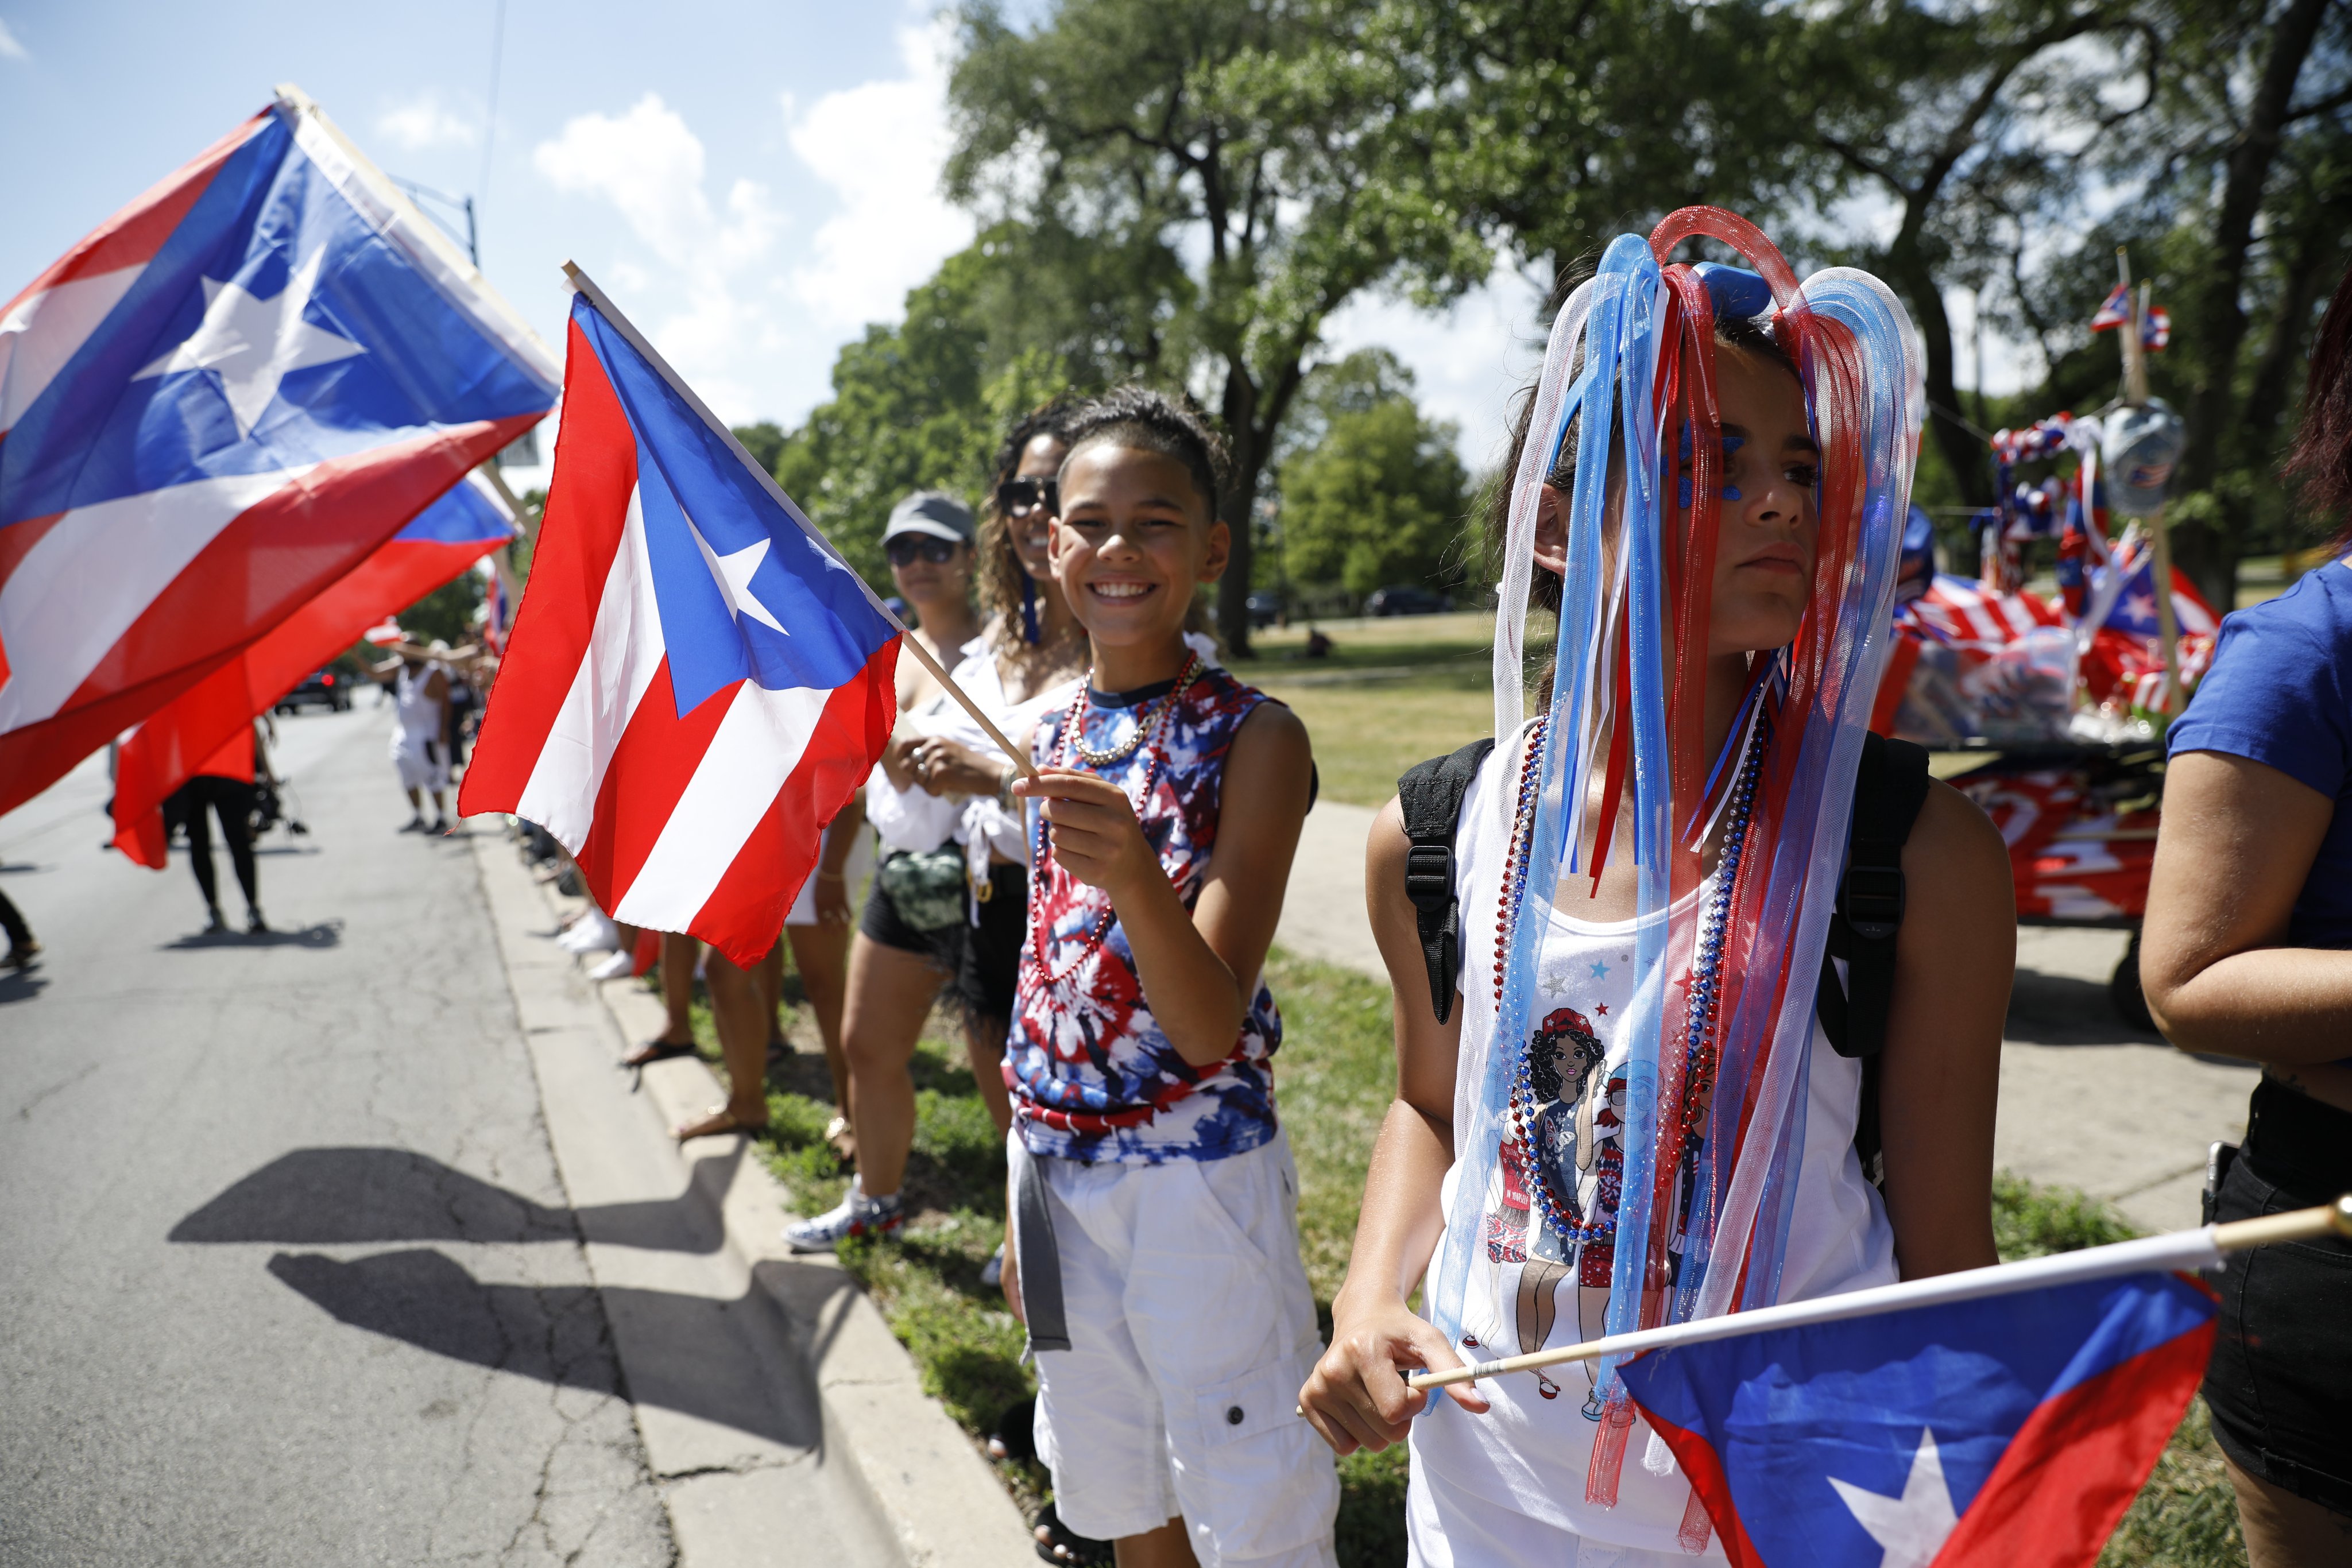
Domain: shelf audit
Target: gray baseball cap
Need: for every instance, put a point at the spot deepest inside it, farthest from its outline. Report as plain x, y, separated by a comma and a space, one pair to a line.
932, 512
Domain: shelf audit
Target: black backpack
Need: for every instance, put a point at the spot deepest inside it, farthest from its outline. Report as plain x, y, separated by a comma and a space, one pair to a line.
1890, 787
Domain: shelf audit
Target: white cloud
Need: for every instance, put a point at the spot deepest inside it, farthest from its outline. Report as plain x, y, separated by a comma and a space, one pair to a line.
10, 50
425, 121
650, 166
880, 146
1468, 361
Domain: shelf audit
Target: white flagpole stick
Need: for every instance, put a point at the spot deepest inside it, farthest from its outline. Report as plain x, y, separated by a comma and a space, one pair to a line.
908, 640
2198, 1248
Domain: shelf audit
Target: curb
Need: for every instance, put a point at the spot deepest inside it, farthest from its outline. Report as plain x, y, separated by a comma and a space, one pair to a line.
928, 1487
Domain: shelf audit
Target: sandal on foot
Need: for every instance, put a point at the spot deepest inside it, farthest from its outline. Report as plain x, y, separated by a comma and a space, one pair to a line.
655, 1050
718, 1123
1058, 1543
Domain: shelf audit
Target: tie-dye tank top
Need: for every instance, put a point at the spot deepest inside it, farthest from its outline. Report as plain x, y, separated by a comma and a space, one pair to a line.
1093, 1077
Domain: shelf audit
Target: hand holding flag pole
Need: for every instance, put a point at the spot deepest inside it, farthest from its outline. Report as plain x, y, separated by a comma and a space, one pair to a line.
906, 639
2182, 1249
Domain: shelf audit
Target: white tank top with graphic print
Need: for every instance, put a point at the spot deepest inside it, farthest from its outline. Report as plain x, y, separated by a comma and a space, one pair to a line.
1528, 1455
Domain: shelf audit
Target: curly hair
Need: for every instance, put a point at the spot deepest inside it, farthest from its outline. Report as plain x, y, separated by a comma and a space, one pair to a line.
2322, 457
998, 574
1565, 1027
1152, 420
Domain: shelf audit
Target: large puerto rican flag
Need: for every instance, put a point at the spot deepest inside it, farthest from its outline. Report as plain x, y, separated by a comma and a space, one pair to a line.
696, 682
2011, 1430
445, 540
215, 406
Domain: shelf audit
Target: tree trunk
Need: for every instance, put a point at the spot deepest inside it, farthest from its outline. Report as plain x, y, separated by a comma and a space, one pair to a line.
1236, 507
1964, 453
2207, 552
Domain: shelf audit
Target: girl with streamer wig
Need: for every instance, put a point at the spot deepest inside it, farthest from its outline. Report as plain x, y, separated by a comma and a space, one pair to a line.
1631, 1115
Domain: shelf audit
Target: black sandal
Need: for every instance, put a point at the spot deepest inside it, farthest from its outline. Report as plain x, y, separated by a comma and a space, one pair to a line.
1015, 1437
1065, 1547
655, 1050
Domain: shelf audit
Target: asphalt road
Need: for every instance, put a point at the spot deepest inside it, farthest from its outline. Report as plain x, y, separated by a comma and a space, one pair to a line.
290, 1277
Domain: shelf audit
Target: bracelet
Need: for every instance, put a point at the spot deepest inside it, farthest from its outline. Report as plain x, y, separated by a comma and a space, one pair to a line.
1005, 785
824, 876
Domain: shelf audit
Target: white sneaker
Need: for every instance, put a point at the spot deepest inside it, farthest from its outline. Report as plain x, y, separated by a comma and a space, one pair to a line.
594, 934
857, 1216
616, 967
992, 1273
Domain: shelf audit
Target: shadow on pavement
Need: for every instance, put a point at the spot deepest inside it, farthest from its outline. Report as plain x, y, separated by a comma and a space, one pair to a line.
318, 934
555, 1334
321, 1197
21, 985
2066, 1009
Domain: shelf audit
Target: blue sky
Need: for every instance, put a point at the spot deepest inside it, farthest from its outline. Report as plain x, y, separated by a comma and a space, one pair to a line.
752, 182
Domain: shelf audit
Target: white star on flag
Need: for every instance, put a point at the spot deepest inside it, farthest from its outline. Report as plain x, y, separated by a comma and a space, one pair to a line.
1913, 1527
733, 573
251, 343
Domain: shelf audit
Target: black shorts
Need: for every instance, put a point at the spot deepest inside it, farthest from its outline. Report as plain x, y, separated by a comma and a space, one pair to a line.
981, 963
2281, 1380
990, 965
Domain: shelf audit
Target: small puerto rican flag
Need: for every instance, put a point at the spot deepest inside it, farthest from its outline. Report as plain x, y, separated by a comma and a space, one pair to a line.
2013, 1430
696, 682
2116, 312
2156, 332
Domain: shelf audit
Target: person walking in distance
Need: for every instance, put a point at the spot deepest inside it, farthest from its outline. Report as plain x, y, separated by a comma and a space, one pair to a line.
23, 951
224, 787
420, 750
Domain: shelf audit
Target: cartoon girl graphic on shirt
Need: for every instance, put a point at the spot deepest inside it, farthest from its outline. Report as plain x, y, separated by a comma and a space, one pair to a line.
1565, 1068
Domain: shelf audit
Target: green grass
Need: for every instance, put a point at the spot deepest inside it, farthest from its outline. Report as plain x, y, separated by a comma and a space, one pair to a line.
1336, 1075
1391, 692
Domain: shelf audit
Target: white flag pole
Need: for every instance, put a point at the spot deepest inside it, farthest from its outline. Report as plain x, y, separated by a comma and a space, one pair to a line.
908, 640
2199, 1249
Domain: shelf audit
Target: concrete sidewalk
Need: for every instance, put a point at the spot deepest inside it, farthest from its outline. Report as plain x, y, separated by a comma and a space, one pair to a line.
810, 1437
2085, 1100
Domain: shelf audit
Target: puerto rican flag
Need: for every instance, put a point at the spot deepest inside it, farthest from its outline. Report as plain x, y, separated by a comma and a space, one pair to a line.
445, 540
215, 406
2133, 607
2115, 312
2013, 1430
2156, 332
696, 682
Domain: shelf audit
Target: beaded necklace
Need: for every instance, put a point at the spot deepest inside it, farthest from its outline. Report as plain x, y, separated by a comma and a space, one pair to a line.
1147, 734
1558, 1209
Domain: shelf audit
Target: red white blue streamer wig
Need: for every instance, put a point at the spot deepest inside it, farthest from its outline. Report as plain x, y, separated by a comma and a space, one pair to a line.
1632, 355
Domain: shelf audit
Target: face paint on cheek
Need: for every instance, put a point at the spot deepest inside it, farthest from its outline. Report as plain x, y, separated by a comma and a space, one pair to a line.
1731, 492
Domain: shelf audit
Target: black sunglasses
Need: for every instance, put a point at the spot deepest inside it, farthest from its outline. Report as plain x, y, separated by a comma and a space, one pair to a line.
903, 550
1019, 498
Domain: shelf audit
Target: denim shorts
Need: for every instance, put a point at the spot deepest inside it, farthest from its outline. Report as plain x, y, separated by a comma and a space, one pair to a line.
2280, 1384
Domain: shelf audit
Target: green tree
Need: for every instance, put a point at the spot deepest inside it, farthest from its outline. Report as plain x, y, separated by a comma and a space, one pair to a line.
1256, 163
1379, 500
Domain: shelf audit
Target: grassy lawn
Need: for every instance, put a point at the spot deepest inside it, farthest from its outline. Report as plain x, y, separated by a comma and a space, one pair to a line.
1335, 1077
1391, 692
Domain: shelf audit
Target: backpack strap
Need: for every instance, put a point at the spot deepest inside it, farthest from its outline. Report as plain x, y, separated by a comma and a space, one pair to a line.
1429, 797
1889, 790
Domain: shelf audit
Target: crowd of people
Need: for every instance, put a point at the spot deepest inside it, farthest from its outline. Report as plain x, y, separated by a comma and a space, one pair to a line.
1099, 912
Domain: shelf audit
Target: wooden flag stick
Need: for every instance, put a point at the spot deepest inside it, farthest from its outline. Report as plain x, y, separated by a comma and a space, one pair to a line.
612, 313
2197, 1248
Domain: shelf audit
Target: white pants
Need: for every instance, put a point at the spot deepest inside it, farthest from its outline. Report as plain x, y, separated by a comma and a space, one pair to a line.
423, 762
1191, 1327
860, 866
1448, 1528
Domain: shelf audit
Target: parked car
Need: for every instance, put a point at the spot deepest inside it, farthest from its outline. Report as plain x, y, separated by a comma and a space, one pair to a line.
330, 686
1264, 610
1405, 599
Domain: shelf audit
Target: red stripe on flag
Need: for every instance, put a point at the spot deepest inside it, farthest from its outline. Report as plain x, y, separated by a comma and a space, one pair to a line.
745, 912
1697, 1459
170, 744
135, 234
587, 509
275, 556
1902, 660
650, 767
2075, 1466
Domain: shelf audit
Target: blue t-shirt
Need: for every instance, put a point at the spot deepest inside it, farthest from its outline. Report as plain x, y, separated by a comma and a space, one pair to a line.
2280, 692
